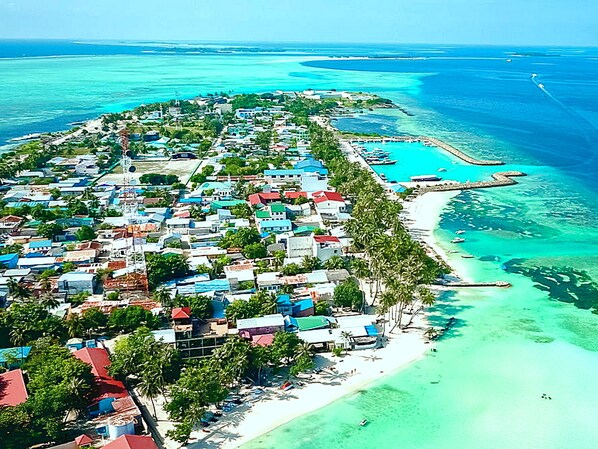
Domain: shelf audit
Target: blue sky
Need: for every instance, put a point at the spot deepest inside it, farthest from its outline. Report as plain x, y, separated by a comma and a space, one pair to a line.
529, 22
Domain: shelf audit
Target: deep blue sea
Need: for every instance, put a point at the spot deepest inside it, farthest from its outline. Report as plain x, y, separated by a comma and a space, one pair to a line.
482, 388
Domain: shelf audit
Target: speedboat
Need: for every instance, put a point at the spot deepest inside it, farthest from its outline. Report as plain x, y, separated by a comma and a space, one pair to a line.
457, 240
363, 422
460, 231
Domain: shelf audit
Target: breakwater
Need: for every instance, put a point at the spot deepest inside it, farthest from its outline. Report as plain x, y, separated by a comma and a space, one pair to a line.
500, 179
429, 141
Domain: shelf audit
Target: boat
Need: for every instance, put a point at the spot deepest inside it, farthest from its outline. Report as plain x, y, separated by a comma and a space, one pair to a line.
457, 240
423, 178
384, 162
460, 231
509, 60
467, 256
363, 422
442, 169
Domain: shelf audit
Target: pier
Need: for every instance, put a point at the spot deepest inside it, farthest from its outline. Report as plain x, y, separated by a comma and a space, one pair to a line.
500, 179
429, 141
498, 284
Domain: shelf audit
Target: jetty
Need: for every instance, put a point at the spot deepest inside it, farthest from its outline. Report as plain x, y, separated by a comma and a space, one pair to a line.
432, 141
498, 284
501, 179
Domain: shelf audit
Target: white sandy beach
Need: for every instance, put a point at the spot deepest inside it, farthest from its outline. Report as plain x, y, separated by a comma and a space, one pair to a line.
275, 407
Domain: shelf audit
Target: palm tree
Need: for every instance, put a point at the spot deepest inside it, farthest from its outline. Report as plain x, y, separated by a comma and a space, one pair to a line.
18, 337
18, 291
347, 337
148, 387
335, 263
49, 301
74, 325
311, 263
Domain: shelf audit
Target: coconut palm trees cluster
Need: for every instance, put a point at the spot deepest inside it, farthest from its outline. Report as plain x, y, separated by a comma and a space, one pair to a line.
210, 381
396, 267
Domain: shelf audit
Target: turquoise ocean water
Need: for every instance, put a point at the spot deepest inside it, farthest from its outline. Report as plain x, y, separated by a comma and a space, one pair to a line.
483, 387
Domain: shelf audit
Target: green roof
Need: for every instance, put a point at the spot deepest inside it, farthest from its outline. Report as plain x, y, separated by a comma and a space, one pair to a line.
304, 229
225, 203
262, 214
277, 207
312, 322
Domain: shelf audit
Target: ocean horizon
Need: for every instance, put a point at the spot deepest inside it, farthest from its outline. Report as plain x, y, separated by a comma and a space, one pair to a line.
483, 387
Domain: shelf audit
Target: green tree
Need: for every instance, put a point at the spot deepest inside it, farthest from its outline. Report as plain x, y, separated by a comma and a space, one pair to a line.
49, 230
311, 263
132, 318
255, 251
164, 267
93, 320
335, 263
241, 210
85, 233
348, 294
321, 308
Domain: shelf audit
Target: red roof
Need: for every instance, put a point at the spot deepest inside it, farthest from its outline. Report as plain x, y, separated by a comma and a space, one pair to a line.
12, 388
325, 238
327, 196
132, 442
294, 195
107, 387
181, 313
263, 198
83, 440
262, 340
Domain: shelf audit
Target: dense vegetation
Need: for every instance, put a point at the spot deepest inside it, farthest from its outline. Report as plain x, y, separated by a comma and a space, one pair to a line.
397, 266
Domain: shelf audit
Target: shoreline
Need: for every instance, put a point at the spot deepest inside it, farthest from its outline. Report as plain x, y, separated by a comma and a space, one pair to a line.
355, 370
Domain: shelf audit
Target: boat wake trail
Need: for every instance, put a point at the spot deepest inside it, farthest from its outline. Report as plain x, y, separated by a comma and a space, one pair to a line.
582, 123
587, 128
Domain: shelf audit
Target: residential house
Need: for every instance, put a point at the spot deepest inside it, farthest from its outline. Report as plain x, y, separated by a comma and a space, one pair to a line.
274, 226
238, 273
12, 388
279, 177
311, 165
77, 282
263, 198
132, 442
107, 389
14, 357
326, 246
195, 338
39, 246
10, 223
268, 324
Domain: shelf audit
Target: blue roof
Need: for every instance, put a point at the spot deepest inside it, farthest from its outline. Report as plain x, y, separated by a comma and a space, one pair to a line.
7, 353
8, 257
308, 163
283, 299
40, 243
282, 172
276, 224
371, 330
303, 304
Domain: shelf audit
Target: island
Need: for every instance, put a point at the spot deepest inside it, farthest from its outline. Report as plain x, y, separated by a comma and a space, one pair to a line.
195, 271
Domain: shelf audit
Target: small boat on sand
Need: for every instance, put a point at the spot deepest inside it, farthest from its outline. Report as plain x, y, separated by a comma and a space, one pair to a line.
467, 256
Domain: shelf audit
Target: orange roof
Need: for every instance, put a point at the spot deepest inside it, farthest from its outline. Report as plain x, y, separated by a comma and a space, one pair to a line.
181, 313
12, 388
132, 442
293, 195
